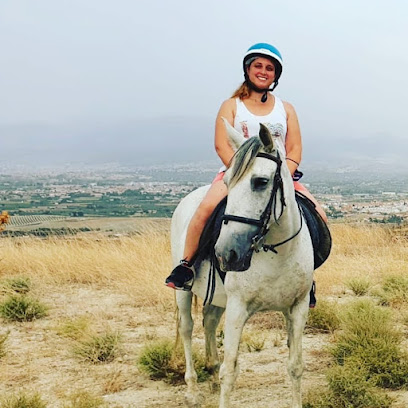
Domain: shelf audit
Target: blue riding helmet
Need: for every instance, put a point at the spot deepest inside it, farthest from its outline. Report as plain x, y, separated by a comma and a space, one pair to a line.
267, 51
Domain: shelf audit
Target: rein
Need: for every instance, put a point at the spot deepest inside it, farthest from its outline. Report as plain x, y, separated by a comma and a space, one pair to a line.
259, 239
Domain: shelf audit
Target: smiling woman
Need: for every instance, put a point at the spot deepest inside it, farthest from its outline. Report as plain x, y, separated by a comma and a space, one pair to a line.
250, 105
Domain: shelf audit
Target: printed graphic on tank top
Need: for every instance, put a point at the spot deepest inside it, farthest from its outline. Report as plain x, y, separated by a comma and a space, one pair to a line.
248, 124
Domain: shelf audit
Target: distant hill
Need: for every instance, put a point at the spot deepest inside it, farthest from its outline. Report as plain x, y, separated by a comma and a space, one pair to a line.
169, 140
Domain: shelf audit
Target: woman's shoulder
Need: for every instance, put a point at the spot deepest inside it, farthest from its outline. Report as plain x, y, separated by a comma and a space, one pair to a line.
229, 105
288, 107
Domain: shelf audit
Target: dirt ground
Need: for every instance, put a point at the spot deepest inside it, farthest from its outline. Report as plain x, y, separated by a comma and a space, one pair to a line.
40, 359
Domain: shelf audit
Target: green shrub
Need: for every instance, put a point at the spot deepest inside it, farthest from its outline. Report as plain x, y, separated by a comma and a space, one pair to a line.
22, 308
394, 290
348, 388
370, 341
324, 317
23, 400
161, 361
98, 348
83, 399
3, 338
359, 286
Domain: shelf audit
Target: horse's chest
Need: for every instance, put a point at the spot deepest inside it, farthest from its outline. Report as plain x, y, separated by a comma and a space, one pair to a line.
275, 286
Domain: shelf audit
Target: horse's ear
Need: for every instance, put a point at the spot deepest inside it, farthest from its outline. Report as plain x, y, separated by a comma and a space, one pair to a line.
236, 139
266, 138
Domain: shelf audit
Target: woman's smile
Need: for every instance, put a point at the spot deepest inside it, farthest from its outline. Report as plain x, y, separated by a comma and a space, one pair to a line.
262, 72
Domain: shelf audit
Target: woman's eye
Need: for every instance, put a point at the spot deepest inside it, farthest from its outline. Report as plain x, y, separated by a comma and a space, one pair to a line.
259, 183
270, 68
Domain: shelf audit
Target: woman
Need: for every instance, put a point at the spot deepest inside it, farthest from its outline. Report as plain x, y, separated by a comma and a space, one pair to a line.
252, 103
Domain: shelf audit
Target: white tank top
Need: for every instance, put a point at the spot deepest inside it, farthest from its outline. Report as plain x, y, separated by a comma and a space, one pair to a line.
248, 124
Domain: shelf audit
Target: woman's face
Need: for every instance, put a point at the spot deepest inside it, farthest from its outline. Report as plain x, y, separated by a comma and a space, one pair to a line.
261, 72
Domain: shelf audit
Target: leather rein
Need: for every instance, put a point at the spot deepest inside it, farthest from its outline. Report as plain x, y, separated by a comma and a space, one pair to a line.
258, 241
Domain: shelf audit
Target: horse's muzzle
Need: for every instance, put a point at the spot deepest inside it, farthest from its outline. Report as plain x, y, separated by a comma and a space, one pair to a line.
230, 260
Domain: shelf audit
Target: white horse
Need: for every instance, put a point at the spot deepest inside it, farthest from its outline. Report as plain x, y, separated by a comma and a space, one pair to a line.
266, 248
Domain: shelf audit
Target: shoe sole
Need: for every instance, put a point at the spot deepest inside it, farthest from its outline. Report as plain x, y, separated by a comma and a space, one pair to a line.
186, 288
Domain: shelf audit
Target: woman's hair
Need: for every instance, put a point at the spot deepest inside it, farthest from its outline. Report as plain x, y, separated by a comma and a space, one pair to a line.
242, 92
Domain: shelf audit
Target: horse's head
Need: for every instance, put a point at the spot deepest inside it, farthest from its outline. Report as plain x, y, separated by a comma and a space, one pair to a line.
255, 197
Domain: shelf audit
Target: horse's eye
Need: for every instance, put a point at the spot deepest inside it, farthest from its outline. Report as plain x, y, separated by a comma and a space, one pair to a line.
259, 183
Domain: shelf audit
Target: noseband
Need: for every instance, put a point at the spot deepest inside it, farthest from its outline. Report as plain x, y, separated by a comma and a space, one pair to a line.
263, 222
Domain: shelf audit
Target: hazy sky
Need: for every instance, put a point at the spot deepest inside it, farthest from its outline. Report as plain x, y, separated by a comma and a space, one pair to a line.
100, 63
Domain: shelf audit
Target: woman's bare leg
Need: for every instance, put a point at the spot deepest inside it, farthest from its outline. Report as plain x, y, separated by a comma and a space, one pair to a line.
182, 276
215, 194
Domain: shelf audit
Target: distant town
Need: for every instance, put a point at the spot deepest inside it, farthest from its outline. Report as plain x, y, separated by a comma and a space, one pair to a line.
347, 194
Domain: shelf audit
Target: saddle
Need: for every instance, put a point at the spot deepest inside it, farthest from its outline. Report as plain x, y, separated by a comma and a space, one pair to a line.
318, 230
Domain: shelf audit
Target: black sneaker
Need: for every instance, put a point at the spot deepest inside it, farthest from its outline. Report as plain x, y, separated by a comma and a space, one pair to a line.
312, 301
182, 277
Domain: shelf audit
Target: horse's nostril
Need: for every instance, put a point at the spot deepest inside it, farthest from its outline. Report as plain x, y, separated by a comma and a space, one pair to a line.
233, 257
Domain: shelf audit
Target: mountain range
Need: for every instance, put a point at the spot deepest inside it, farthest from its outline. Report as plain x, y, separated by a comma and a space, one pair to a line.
172, 140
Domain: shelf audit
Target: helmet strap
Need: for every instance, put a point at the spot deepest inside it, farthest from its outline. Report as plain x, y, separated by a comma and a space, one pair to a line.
259, 90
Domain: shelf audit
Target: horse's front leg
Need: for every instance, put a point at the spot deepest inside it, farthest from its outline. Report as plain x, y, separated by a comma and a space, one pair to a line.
186, 324
235, 318
296, 319
212, 315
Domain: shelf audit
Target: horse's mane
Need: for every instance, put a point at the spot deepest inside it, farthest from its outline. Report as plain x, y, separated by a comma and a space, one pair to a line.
243, 159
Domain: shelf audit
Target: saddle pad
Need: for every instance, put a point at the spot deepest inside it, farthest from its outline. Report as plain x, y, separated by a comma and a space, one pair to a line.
319, 232
209, 237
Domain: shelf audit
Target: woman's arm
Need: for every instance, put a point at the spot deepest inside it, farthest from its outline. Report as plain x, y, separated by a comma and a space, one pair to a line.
293, 144
222, 146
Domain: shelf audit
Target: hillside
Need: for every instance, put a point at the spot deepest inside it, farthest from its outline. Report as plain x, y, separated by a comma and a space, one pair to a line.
110, 279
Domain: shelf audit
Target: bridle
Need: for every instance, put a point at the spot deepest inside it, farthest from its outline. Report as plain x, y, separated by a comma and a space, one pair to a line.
258, 241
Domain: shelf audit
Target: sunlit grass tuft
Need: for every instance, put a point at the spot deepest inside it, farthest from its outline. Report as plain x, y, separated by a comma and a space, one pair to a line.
162, 361
254, 341
324, 317
22, 308
23, 400
3, 339
98, 348
84, 399
360, 286
18, 284
74, 328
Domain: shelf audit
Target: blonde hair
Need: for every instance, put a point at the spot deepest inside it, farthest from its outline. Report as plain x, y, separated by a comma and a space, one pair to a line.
242, 92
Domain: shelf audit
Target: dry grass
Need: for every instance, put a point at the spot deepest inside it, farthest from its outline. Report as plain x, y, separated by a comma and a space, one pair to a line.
137, 264
370, 252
